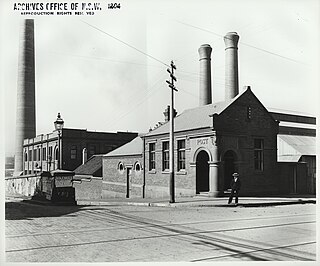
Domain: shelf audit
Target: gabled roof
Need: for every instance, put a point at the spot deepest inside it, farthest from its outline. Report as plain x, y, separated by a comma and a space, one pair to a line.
134, 147
91, 166
195, 118
303, 145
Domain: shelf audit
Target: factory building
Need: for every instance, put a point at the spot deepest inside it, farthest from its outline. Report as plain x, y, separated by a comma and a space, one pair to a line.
77, 145
214, 140
274, 151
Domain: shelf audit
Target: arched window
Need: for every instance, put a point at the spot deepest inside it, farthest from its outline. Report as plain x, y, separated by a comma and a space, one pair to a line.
137, 167
120, 167
56, 153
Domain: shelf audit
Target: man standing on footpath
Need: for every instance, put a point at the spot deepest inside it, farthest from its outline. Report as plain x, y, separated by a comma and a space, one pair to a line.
235, 188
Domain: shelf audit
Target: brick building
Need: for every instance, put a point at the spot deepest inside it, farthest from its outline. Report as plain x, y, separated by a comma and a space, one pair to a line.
42, 152
211, 142
214, 140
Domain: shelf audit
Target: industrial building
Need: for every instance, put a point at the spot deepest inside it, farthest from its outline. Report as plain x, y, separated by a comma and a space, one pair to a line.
68, 148
273, 150
214, 140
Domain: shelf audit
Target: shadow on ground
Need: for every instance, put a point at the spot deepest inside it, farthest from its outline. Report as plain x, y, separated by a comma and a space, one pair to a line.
26, 209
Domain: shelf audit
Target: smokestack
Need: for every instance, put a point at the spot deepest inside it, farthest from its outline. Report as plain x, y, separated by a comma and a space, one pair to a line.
205, 96
26, 110
232, 83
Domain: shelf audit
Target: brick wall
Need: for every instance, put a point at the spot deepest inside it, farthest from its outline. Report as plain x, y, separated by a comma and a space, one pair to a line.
237, 133
87, 188
26, 185
115, 180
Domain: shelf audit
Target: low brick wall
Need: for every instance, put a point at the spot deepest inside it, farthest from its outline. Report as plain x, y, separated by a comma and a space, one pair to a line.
25, 185
88, 188
163, 192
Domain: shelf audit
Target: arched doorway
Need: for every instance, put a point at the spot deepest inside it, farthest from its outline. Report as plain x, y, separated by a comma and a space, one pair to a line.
229, 159
202, 172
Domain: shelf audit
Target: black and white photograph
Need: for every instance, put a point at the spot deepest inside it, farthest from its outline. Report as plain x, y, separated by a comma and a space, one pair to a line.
169, 132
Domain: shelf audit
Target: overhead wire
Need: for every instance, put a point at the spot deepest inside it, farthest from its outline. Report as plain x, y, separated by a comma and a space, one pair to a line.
246, 44
123, 42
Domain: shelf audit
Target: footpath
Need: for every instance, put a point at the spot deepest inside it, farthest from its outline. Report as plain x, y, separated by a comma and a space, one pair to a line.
196, 201
203, 201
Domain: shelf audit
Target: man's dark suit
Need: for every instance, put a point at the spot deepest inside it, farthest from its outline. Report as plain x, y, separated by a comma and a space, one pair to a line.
235, 188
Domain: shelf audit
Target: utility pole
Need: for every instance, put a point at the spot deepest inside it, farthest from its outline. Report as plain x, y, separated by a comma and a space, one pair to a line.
171, 143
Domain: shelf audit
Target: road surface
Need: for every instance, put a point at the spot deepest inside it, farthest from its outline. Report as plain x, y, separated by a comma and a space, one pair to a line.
38, 233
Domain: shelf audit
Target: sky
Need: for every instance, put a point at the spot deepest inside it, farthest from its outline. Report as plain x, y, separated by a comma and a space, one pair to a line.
107, 71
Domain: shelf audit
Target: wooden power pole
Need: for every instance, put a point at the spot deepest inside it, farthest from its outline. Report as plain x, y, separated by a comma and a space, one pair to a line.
171, 143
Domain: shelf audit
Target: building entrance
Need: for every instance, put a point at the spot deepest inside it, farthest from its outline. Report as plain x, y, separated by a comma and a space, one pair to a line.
229, 159
202, 172
129, 182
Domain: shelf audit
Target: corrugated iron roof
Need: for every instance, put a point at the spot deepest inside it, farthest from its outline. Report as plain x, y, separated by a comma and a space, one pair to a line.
289, 158
134, 147
290, 112
304, 145
297, 125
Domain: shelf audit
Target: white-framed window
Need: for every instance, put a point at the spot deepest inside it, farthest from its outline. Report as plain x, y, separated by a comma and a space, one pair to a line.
44, 153
56, 153
165, 155
181, 154
137, 167
120, 167
152, 156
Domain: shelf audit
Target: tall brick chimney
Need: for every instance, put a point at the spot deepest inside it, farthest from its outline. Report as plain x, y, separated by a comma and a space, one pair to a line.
205, 93
231, 64
26, 109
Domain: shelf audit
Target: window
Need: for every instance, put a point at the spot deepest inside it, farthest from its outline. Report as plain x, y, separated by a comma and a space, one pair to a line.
50, 153
137, 167
258, 154
181, 155
73, 152
44, 153
34, 154
30, 155
56, 153
165, 155
25, 156
39, 154
152, 156
121, 167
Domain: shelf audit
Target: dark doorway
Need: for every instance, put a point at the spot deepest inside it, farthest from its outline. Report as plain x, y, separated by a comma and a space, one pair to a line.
202, 172
229, 168
129, 182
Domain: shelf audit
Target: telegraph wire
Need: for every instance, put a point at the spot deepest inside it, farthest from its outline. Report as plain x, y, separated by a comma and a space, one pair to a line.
249, 45
103, 59
127, 44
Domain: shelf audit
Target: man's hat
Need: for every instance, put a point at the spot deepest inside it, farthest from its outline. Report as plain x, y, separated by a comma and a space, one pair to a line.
235, 174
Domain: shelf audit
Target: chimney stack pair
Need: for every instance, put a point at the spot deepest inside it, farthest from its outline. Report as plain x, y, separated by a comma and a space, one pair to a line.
231, 69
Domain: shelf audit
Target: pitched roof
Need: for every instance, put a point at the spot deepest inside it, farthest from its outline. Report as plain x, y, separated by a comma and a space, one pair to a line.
134, 147
194, 118
91, 166
303, 145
